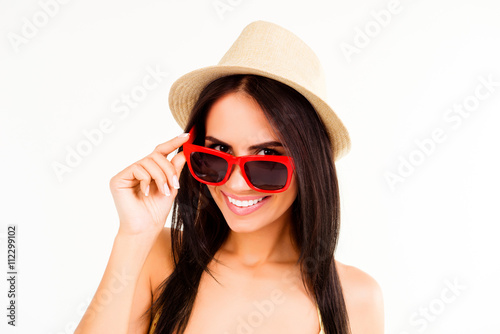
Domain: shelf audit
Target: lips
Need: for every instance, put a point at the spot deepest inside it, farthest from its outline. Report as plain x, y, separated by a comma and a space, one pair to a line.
244, 205
242, 198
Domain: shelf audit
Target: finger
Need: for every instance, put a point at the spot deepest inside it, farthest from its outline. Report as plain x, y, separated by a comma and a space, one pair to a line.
178, 162
168, 169
142, 176
155, 171
174, 143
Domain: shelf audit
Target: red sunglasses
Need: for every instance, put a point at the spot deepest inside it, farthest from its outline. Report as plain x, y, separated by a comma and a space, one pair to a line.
265, 173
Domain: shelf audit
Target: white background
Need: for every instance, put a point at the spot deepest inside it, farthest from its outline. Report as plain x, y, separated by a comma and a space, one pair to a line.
437, 226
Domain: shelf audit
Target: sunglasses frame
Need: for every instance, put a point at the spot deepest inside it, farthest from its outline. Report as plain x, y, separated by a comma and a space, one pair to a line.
231, 160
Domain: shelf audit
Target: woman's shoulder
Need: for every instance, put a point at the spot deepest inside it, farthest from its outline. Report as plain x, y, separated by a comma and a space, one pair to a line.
356, 280
160, 259
364, 299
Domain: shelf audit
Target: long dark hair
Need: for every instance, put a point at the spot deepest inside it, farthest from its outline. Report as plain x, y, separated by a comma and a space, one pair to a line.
316, 210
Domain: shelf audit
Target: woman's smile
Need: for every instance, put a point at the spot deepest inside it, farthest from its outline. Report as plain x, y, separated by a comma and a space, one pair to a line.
244, 205
237, 125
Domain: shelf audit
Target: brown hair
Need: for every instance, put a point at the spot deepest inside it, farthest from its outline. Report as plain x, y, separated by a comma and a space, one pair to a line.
316, 210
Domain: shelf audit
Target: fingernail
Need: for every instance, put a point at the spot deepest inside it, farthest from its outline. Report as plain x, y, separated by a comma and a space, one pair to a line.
147, 191
175, 181
165, 189
184, 134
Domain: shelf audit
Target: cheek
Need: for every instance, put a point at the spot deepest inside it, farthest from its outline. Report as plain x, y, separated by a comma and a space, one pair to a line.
287, 197
211, 189
216, 195
292, 191
291, 197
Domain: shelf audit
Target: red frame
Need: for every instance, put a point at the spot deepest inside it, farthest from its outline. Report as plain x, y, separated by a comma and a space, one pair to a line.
189, 148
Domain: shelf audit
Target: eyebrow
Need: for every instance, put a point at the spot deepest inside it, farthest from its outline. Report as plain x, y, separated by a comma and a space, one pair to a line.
253, 147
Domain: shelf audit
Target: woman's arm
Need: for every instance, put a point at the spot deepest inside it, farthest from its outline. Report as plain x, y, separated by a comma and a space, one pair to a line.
110, 309
159, 265
143, 194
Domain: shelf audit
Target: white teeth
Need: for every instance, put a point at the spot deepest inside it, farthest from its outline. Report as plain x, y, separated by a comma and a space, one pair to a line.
244, 204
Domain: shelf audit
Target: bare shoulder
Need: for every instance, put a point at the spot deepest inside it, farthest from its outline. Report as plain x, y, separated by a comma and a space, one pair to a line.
157, 266
160, 261
364, 300
357, 283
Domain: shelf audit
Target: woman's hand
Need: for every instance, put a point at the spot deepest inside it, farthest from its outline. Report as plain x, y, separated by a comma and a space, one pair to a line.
143, 205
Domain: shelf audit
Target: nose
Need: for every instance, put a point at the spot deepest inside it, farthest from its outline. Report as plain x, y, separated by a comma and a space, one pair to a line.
236, 181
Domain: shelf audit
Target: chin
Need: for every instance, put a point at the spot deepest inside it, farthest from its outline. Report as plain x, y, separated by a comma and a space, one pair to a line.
238, 226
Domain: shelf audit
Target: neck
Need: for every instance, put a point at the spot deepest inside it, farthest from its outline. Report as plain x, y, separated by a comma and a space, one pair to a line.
270, 244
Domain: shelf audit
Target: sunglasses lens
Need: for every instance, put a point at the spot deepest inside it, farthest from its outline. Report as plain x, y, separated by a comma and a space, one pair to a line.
266, 175
208, 167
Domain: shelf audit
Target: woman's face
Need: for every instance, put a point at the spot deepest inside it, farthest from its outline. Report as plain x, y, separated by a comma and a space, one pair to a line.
234, 123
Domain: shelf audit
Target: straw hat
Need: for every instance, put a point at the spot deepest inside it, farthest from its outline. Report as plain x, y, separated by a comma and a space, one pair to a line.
265, 49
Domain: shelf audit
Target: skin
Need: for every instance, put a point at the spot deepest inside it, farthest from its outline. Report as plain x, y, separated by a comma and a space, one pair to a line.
263, 236
260, 285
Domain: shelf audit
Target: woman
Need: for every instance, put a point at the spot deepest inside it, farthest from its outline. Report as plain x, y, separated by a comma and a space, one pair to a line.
257, 202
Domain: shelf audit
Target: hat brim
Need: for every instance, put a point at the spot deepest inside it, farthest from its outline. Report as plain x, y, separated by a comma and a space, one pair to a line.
185, 92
